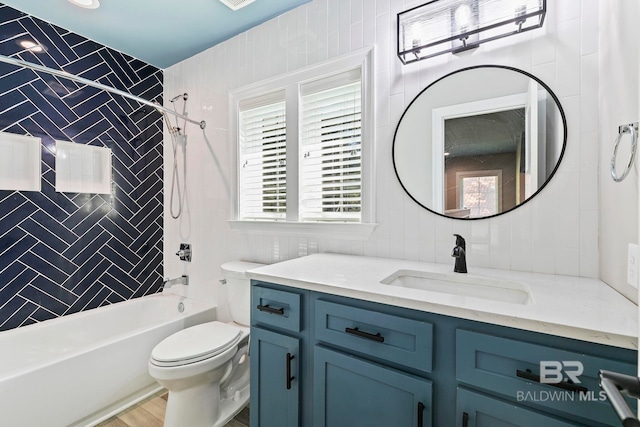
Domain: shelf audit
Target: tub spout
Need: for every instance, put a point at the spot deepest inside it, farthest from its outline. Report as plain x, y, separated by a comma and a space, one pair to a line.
182, 280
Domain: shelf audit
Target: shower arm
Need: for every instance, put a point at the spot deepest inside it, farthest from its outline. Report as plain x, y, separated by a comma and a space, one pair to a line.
82, 80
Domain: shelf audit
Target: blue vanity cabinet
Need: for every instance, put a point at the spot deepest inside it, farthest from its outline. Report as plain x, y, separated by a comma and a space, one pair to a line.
279, 337
359, 363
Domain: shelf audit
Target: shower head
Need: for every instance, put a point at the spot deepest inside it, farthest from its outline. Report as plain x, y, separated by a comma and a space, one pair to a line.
184, 97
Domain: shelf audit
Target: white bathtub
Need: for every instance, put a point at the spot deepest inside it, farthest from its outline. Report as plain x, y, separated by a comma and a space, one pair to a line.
80, 369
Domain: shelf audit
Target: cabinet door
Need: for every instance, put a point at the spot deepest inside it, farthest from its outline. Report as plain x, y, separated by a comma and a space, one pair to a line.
479, 410
352, 392
275, 361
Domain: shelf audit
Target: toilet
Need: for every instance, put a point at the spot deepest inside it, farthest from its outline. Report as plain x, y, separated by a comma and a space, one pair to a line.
206, 367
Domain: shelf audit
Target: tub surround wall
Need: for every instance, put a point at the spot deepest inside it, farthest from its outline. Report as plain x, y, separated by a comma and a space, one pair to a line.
556, 232
62, 253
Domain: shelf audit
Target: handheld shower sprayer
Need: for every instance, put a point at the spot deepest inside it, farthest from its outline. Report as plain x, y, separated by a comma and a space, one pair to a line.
178, 139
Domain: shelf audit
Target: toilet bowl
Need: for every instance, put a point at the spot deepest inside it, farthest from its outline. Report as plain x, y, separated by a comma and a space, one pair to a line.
205, 367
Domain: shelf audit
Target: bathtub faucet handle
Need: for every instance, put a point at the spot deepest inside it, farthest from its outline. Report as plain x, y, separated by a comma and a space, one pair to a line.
184, 252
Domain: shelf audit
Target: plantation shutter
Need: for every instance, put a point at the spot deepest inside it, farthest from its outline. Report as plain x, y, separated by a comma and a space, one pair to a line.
262, 158
330, 149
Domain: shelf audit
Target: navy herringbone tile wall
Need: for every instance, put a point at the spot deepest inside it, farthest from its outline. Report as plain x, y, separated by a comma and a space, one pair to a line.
61, 253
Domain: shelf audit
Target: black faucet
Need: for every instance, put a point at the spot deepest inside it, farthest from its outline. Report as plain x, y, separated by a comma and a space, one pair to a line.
460, 254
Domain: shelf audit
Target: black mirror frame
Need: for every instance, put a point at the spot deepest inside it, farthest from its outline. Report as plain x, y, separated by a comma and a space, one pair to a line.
505, 67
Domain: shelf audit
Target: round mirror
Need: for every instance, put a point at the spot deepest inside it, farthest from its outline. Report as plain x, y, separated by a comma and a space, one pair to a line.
479, 142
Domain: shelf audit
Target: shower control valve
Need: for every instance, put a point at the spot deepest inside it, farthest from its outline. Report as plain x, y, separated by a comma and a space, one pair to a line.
185, 252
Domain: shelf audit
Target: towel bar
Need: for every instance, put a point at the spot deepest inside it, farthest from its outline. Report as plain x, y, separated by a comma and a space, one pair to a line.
632, 129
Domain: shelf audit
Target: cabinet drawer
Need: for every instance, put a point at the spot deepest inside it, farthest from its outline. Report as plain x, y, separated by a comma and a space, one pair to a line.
275, 308
382, 336
478, 410
513, 369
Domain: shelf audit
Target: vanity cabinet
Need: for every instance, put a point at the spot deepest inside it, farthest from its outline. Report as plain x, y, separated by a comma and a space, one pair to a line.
360, 363
279, 334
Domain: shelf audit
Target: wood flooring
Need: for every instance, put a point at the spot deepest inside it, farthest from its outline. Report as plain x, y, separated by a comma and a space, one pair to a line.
150, 413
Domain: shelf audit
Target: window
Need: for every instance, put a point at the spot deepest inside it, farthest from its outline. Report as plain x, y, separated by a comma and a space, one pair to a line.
480, 192
331, 139
305, 146
262, 154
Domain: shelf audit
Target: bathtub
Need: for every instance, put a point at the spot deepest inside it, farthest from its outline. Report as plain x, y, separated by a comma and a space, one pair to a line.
80, 369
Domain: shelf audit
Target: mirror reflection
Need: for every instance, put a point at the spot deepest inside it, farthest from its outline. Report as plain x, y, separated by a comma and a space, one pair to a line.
479, 142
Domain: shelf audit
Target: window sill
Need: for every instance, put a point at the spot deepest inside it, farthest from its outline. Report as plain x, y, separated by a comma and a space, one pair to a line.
330, 230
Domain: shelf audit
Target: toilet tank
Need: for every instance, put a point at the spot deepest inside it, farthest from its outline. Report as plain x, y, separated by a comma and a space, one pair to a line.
239, 289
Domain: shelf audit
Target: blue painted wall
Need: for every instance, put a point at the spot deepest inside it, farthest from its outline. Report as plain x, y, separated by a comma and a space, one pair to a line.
61, 253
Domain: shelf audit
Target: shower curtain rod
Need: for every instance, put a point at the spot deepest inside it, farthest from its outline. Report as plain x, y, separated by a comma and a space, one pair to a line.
82, 80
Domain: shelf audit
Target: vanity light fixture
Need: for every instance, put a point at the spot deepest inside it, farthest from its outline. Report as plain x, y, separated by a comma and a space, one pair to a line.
87, 4
443, 26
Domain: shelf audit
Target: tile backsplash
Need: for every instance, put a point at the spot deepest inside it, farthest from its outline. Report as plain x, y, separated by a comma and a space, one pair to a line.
61, 253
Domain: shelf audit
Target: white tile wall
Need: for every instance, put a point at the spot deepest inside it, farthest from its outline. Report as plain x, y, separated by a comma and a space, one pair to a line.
554, 233
619, 104
19, 162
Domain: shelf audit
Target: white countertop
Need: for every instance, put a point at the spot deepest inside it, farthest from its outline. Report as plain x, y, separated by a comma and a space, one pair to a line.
572, 307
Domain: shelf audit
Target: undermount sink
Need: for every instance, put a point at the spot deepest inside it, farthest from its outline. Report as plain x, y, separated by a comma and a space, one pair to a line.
464, 285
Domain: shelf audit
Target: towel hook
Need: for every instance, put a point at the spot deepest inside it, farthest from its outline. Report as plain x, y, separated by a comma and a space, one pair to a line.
631, 128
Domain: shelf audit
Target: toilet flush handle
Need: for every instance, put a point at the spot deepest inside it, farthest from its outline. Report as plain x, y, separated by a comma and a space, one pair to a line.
223, 281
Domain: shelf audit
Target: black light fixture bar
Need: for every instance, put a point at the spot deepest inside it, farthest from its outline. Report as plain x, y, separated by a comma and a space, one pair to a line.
451, 41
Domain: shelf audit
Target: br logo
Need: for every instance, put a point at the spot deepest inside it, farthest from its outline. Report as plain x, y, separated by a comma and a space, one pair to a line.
553, 371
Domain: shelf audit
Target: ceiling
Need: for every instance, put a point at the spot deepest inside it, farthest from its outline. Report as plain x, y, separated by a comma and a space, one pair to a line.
484, 134
159, 32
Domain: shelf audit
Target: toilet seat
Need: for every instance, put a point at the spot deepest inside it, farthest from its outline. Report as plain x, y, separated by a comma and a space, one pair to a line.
195, 343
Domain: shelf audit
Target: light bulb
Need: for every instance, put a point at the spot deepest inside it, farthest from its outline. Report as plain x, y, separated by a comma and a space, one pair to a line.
87, 4
463, 17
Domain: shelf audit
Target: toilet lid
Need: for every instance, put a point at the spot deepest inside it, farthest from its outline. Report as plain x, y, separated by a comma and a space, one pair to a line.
197, 342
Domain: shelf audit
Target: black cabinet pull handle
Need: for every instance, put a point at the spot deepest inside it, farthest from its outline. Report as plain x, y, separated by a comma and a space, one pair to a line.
527, 375
266, 308
420, 414
290, 357
465, 419
355, 331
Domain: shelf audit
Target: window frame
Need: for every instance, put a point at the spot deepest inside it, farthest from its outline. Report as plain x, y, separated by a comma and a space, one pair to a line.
291, 82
